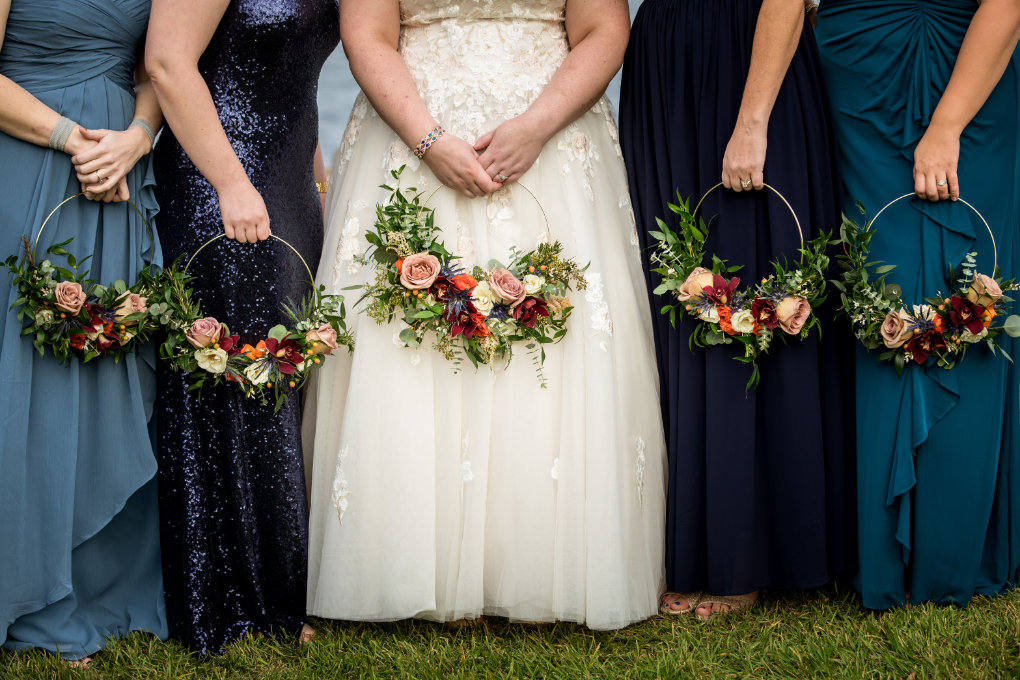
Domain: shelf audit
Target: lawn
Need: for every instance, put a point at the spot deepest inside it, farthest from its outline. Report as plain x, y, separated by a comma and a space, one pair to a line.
811, 635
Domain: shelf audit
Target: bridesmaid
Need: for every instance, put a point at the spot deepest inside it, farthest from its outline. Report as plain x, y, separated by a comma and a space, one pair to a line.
756, 496
925, 96
80, 558
238, 83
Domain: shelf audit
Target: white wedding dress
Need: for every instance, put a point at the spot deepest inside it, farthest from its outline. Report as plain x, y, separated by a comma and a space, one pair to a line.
446, 495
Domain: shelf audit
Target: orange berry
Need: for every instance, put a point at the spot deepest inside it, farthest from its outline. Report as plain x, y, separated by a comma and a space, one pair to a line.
269, 385
291, 383
531, 269
215, 345
542, 267
63, 316
318, 360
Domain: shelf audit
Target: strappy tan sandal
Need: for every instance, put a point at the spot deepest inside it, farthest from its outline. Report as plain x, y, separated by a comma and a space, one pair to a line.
668, 598
734, 603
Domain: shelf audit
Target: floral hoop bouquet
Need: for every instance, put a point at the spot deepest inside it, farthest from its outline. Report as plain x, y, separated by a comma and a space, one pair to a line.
943, 327
277, 364
785, 300
73, 315
477, 313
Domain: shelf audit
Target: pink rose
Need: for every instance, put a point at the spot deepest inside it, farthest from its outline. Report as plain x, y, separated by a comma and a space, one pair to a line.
984, 291
325, 336
694, 287
894, 329
507, 287
419, 271
70, 296
130, 303
204, 332
792, 313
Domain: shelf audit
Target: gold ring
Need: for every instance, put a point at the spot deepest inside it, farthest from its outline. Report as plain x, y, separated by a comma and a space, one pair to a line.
99, 178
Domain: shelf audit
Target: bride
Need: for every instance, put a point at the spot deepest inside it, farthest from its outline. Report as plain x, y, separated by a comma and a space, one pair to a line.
447, 495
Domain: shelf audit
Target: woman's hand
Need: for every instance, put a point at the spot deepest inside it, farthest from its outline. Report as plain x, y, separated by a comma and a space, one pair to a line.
455, 164
102, 167
510, 150
935, 160
115, 195
245, 218
744, 160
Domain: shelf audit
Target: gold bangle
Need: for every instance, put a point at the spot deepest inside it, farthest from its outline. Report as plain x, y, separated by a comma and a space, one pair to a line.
323, 187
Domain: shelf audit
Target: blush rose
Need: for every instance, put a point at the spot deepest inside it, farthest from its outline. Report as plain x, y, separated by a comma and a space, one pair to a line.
693, 288
507, 286
984, 291
325, 336
792, 313
70, 296
419, 271
204, 332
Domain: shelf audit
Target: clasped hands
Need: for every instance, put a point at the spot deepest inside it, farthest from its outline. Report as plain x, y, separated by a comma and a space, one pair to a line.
103, 158
496, 158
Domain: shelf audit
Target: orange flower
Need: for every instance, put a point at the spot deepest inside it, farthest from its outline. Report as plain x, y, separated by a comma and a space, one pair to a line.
464, 282
256, 352
399, 265
78, 341
483, 328
724, 319
989, 314
940, 325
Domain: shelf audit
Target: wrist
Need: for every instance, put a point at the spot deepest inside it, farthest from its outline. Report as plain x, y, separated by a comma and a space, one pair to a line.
75, 143
139, 140
753, 122
944, 126
539, 125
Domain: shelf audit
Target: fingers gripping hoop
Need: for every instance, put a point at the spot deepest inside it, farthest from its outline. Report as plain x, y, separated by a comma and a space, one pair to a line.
148, 229
995, 248
796, 221
202, 247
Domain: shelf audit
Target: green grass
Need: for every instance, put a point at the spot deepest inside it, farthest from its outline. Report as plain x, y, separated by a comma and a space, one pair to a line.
811, 635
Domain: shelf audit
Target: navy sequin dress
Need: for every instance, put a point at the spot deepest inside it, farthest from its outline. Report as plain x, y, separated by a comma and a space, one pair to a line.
758, 480
231, 473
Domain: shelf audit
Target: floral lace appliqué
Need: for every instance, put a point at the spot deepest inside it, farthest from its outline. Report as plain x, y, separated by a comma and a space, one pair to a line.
341, 489
580, 150
639, 468
601, 321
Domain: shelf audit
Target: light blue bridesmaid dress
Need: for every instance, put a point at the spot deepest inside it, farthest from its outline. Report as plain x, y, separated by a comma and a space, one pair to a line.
938, 450
79, 536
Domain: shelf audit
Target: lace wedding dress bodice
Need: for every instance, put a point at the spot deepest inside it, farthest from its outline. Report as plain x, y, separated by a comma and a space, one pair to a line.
480, 62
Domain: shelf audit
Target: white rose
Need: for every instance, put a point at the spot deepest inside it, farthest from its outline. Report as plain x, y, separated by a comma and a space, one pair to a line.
482, 298
533, 283
711, 315
967, 336
742, 321
258, 372
211, 360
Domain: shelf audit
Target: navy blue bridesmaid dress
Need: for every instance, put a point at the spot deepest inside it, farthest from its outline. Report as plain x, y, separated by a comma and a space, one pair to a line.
79, 535
233, 505
757, 479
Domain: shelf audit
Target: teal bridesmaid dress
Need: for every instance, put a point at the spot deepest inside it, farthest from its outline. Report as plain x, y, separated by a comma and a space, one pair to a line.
79, 534
938, 450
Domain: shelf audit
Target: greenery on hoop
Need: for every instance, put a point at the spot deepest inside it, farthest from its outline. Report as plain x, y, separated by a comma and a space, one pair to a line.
483, 313
278, 364
785, 299
73, 315
943, 327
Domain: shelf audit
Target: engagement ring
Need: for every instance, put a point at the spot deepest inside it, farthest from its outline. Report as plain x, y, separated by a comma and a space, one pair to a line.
941, 183
501, 177
746, 183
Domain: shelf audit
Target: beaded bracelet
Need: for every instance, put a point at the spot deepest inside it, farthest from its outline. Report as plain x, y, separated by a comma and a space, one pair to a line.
429, 140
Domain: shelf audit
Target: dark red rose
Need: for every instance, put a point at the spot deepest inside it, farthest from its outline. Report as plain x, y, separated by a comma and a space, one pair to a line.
528, 311
721, 291
287, 353
925, 344
764, 312
966, 314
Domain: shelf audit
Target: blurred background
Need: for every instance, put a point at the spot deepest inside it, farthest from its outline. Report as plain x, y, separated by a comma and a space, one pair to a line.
337, 90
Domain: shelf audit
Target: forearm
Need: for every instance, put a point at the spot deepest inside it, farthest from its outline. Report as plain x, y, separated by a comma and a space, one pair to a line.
23, 116
986, 50
319, 166
384, 78
189, 110
776, 36
581, 79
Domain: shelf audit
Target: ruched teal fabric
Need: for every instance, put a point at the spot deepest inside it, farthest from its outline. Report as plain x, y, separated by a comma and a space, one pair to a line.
938, 450
79, 560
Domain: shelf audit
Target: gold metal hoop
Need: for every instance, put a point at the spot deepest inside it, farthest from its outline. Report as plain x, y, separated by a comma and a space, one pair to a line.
148, 229
796, 221
545, 215
995, 248
202, 247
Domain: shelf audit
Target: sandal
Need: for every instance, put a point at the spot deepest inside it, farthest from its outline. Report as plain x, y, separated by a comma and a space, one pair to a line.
670, 598
734, 603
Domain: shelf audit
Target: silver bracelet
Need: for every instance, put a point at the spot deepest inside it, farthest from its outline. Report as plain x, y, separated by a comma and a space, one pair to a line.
147, 129
61, 131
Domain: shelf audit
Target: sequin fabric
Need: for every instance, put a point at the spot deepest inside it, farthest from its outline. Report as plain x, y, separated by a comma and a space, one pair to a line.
232, 491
